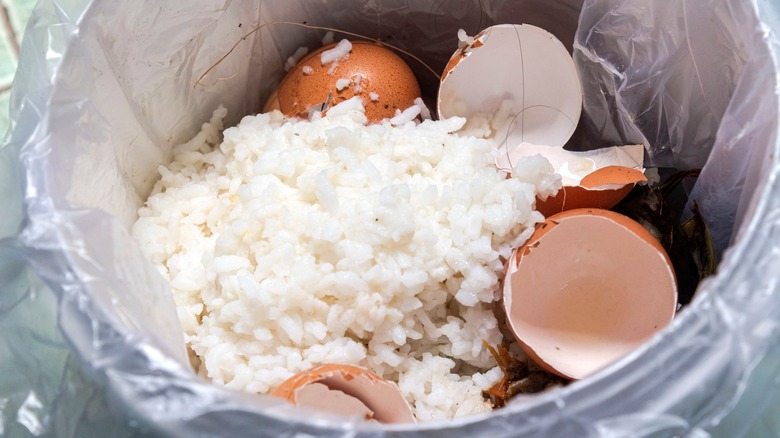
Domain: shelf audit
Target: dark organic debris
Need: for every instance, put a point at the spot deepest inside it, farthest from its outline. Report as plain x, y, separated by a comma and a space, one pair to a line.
520, 377
689, 245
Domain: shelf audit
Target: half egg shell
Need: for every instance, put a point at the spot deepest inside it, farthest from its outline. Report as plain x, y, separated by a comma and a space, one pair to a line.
520, 77
347, 390
586, 289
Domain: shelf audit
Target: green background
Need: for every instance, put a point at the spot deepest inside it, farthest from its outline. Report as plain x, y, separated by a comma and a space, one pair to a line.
13, 18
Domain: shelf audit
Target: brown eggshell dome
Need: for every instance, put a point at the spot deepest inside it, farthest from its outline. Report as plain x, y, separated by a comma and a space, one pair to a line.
381, 72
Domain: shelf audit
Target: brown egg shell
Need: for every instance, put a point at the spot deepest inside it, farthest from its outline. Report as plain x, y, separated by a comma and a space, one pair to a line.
381, 71
602, 188
462, 53
586, 289
612, 175
379, 395
573, 197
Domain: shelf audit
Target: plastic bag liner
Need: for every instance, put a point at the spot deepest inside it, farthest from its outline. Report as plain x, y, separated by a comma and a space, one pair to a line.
105, 88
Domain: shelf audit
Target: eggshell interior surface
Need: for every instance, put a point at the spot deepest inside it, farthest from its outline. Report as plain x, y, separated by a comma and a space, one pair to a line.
318, 396
520, 76
379, 396
587, 288
380, 78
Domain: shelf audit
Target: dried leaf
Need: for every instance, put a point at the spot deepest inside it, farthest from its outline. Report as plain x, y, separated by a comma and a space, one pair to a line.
702, 248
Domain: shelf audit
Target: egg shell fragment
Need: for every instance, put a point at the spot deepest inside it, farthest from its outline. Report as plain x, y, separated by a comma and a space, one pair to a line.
573, 197
598, 178
382, 80
612, 175
521, 77
586, 289
380, 396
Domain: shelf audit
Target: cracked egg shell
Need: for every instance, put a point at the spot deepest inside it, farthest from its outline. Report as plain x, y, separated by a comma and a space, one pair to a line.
382, 80
348, 390
598, 178
521, 78
587, 288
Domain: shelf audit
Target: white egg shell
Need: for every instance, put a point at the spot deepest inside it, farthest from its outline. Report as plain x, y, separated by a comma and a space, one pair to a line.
587, 288
520, 77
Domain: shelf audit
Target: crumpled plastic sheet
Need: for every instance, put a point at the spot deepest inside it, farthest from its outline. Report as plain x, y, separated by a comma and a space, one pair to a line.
89, 340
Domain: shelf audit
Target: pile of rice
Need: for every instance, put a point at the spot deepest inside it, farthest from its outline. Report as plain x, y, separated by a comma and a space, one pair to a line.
292, 243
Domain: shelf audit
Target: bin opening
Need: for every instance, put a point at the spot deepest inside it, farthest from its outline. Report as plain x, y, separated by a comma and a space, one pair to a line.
290, 253
143, 103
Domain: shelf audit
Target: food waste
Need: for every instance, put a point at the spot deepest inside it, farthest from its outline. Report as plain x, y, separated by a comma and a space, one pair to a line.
596, 279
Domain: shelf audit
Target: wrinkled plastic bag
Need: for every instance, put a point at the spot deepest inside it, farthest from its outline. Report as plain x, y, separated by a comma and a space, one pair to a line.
89, 340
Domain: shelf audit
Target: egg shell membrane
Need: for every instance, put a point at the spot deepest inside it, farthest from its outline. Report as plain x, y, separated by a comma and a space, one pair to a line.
382, 72
588, 287
381, 396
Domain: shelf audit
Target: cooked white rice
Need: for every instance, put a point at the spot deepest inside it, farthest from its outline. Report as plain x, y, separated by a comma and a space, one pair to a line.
294, 243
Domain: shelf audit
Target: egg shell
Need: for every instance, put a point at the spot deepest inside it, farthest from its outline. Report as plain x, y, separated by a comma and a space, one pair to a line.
379, 395
318, 396
573, 197
612, 175
381, 71
587, 288
526, 65
597, 178
603, 188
